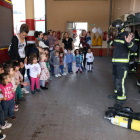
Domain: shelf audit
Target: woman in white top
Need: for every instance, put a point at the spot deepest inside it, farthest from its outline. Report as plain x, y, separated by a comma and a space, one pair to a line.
39, 41
90, 58
20, 49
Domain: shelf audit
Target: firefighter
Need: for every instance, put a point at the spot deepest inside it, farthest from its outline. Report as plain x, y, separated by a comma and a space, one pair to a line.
121, 53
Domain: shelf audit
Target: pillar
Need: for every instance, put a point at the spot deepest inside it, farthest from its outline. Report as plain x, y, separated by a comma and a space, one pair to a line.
29, 10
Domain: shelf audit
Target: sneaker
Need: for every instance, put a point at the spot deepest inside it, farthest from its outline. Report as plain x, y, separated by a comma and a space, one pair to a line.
80, 71
22, 99
56, 75
16, 106
7, 125
38, 90
59, 74
25, 91
76, 71
2, 136
64, 74
32, 91
43, 88
88, 70
13, 118
16, 109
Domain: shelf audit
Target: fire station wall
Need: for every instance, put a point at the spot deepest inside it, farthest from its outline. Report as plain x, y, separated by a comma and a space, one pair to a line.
121, 7
93, 12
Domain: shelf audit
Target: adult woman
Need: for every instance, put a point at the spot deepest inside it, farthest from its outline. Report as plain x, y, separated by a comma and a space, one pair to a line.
55, 40
50, 39
39, 41
20, 48
84, 45
67, 43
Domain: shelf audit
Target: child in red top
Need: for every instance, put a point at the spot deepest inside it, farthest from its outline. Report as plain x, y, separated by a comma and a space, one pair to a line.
61, 63
7, 90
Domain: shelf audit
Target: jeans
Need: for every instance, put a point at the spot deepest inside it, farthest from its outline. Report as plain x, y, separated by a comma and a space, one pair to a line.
70, 67
18, 92
61, 68
52, 69
8, 107
33, 81
2, 120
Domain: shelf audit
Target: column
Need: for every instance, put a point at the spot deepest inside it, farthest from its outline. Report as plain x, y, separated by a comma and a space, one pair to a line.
29, 9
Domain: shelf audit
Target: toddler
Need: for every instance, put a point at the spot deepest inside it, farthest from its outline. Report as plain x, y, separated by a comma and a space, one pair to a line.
69, 60
62, 63
90, 58
44, 75
88, 38
78, 60
35, 70
56, 64
8, 104
18, 80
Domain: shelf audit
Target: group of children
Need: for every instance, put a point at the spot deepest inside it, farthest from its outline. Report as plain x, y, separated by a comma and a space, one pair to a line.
38, 71
70, 59
10, 92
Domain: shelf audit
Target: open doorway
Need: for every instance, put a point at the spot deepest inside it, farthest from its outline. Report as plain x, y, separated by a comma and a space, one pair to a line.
79, 26
75, 29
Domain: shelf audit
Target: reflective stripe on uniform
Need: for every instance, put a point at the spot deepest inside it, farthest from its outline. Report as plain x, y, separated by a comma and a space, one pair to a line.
134, 54
120, 41
131, 45
120, 60
111, 43
136, 39
115, 91
123, 88
121, 98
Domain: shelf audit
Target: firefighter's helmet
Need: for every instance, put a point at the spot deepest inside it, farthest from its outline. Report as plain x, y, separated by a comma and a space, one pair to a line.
118, 25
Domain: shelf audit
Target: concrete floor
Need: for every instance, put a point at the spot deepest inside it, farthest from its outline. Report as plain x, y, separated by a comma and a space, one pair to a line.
73, 108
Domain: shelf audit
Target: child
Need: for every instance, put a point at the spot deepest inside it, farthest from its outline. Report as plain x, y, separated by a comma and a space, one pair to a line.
18, 79
56, 64
6, 87
45, 40
47, 52
78, 60
88, 39
61, 63
90, 58
44, 75
69, 60
34, 72
82, 54
3, 124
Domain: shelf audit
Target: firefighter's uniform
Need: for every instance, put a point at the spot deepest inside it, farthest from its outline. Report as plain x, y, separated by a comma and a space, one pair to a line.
120, 60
